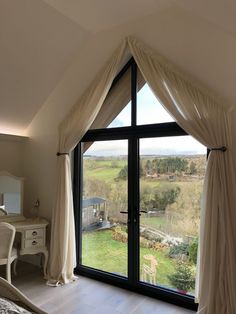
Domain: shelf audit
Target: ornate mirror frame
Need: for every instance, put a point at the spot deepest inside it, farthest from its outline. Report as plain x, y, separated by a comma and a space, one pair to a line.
12, 217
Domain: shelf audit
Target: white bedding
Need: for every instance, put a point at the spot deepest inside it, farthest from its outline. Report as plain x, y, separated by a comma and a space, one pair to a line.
17, 301
9, 307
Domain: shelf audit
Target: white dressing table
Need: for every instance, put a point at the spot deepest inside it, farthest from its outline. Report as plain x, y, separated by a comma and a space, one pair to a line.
33, 237
31, 232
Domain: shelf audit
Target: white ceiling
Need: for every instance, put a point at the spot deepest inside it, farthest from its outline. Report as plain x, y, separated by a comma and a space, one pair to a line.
31, 35
221, 13
97, 15
39, 39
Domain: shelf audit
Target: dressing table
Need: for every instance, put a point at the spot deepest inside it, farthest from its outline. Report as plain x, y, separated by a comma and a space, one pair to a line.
31, 231
33, 237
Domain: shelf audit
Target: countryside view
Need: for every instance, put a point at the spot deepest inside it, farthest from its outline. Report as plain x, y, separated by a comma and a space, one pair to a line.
171, 182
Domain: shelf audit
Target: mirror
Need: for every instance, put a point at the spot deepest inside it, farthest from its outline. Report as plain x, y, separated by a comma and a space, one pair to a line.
11, 195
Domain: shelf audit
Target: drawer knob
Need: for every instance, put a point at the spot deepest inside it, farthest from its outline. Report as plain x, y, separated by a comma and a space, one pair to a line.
34, 242
34, 233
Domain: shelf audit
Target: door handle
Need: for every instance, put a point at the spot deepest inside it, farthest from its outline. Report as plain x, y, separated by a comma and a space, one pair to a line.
123, 212
142, 211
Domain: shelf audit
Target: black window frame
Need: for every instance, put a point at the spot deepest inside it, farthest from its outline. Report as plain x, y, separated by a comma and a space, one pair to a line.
133, 133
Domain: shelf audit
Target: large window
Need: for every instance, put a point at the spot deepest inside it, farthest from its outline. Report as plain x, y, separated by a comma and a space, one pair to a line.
138, 187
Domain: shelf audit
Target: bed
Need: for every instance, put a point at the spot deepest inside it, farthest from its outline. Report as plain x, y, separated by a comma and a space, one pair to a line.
10, 296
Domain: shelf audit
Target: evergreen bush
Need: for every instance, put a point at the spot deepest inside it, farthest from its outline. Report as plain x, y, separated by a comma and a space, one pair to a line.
179, 249
183, 278
192, 250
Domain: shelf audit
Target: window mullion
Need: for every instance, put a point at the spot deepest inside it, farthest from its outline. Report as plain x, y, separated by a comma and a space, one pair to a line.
133, 94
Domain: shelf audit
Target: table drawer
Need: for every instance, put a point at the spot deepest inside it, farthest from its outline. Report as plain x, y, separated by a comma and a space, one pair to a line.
34, 243
34, 233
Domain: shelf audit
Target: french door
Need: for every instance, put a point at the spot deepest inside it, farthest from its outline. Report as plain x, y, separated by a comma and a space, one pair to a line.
137, 191
119, 230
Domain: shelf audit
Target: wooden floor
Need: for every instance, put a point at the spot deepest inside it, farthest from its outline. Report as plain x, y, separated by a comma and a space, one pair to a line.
86, 296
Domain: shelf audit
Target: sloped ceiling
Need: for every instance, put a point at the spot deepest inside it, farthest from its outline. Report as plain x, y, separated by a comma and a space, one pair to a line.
40, 38
98, 15
36, 45
221, 13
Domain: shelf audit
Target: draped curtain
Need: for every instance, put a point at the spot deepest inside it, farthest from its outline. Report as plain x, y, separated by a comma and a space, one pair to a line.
200, 115
116, 100
62, 246
118, 97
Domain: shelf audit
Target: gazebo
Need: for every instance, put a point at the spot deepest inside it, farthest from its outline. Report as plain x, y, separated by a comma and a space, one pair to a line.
94, 212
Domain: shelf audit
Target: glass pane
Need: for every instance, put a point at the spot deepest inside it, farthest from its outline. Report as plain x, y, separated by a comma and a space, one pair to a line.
149, 109
123, 118
172, 170
104, 228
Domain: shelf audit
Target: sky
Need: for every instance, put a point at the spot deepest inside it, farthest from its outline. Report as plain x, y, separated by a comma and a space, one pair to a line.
149, 110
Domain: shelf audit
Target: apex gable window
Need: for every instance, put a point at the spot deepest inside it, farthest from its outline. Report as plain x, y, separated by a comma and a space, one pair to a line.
138, 179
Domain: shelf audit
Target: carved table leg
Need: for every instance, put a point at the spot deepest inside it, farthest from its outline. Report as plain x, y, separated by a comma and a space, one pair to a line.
45, 253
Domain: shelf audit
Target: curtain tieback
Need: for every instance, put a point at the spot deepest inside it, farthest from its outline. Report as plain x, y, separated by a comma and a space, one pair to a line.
60, 154
222, 149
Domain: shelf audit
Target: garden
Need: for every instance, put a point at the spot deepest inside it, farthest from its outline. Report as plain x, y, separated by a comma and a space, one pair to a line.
176, 264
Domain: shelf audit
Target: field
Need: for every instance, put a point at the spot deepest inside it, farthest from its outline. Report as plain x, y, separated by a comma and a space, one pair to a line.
105, 170
100, 179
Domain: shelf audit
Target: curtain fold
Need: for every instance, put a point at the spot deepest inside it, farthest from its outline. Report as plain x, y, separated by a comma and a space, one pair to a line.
200, 115
118, 97
116, 100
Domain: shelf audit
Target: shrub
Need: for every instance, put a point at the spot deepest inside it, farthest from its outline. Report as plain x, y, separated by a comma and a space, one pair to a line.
159, 246
144, 242
178, 250
123, 174
119, 235
192, 250
183, 278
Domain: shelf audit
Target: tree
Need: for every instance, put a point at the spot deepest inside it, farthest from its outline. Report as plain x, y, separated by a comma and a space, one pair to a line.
148, 167
168, 197
145, 196
192, 250
158, 200
123, 174
179, 249
141, 171
183, 278
193, 168
170, 165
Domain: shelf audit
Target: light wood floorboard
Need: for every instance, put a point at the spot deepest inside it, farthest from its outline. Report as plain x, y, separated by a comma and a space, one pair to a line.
86, 296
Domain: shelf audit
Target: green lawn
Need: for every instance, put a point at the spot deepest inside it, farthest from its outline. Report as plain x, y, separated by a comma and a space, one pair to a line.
100, 251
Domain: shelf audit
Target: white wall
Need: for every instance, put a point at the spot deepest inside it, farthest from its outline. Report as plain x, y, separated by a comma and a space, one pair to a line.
193, 44
12, 150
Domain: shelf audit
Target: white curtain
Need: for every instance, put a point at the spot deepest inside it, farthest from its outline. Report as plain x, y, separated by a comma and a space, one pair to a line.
200, 115
117, 98
62, 247
209, 122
